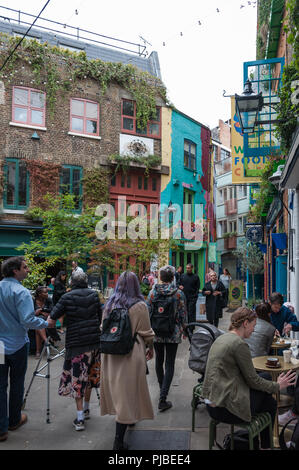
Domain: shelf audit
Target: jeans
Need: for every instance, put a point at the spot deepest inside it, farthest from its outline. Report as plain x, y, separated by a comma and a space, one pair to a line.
260, 402
15, 367
165, 376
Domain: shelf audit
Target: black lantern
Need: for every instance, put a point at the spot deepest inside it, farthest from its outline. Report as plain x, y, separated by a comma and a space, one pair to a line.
247, 107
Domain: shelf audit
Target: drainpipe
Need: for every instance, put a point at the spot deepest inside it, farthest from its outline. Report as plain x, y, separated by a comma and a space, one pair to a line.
296, 226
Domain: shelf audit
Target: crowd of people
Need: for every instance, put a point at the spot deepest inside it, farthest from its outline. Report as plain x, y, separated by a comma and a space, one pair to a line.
121, 378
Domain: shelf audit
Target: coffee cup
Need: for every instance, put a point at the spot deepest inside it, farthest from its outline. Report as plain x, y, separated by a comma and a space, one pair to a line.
287, 356
272, 361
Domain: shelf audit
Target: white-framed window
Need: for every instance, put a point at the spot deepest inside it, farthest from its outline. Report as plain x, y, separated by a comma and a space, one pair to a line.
232, 226
232, 192
221, 228
242, 221
242, 191
220, 197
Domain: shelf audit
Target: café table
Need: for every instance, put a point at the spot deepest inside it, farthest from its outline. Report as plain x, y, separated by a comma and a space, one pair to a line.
277, 346
259, 364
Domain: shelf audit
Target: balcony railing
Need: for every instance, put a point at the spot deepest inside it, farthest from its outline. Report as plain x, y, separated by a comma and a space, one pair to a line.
231, 206
223, 166
230, 243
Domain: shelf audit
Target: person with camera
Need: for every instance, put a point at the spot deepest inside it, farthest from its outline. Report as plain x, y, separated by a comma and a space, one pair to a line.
16, 317
43, 306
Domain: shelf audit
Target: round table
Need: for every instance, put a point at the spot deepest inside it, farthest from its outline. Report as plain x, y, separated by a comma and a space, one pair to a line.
259, 363
278, 346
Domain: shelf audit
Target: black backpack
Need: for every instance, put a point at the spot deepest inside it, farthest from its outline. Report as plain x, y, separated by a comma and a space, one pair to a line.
294, 443
163, 315
116, 336
241, 441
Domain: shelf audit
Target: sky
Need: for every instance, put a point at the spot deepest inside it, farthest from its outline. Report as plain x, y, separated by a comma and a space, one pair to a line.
201, 44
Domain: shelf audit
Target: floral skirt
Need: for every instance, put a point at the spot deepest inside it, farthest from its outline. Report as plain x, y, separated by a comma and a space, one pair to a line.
80, 372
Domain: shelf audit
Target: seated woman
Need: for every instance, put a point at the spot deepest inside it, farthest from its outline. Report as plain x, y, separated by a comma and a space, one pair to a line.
262, 336
232, 388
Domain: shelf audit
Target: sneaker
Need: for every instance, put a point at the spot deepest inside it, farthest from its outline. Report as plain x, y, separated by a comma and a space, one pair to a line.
164, 405
285, 417
86, 414
79, 425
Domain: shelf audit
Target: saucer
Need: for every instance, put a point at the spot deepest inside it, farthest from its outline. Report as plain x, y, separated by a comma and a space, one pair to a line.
278, 366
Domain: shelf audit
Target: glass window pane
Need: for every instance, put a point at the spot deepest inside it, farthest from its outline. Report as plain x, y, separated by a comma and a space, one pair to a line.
37, 99
193, 149
154, 129
91, 127
66, 180
128, 181
78, 107
22, 184
76, 187
139, 130
156, 115
20, 114
128, 108
139, 182
122, 180
91, 110
186, 159
128, 124
154, 184
193, 163
10, 183
21, 96
36, 117
77, 124
145, 183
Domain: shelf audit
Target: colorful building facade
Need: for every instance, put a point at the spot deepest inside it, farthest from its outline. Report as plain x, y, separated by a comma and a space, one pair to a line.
186, 147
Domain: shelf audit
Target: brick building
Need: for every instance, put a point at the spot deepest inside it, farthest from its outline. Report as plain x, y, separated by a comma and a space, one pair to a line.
67, 129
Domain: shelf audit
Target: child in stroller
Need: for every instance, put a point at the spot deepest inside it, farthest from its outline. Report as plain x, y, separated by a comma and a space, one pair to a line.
201, 341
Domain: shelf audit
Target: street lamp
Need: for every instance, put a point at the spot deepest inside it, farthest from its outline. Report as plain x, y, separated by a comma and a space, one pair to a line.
247, 107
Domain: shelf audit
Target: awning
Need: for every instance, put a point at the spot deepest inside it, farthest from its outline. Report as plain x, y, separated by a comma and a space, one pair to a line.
262, 247
13, 236
280, 240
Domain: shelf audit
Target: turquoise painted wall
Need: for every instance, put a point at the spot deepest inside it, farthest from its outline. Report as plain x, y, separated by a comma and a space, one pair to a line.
183, 128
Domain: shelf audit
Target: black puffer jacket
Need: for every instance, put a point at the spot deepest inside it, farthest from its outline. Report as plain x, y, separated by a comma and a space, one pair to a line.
82, 309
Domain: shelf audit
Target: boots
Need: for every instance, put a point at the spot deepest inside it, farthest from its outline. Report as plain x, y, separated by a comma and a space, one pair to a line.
119, 445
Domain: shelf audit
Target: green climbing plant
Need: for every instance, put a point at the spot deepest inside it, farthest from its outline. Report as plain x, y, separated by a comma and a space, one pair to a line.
58, 70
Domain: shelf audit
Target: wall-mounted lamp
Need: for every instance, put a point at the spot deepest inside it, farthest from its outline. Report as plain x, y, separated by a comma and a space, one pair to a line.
35, 136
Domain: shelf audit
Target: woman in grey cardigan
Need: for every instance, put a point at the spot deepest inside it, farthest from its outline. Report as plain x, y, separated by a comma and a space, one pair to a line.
232, 388
262, 337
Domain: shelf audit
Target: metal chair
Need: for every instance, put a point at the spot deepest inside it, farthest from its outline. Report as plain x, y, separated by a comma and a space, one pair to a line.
258, 423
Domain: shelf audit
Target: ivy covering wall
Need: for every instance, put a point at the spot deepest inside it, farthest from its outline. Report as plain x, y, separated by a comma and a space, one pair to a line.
58, 70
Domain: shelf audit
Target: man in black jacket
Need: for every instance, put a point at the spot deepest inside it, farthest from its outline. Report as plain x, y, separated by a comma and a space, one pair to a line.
190, 284
83, 312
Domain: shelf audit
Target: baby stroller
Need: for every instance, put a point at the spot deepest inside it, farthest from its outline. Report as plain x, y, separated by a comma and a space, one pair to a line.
201, 340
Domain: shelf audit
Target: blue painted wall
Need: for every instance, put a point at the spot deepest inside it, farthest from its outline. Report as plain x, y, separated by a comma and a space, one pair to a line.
183, 127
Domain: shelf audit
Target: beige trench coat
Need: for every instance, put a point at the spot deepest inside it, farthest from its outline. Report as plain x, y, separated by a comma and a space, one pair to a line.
124, 390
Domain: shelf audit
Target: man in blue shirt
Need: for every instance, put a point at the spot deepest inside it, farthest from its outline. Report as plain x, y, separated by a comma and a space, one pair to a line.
284, 321
16, 317
282, 317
